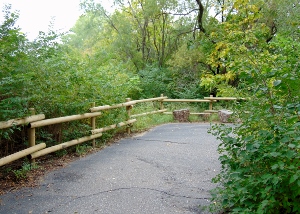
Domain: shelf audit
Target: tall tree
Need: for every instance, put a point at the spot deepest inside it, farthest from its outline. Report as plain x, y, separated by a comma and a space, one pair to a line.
144, 31
13, 65
215, 31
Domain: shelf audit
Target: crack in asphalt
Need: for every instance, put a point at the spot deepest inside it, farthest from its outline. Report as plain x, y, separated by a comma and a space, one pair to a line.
143, 188
164, 141
128, 188
139, 188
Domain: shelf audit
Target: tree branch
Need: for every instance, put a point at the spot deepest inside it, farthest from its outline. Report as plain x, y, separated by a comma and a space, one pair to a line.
273, 31
183, 14
200, 16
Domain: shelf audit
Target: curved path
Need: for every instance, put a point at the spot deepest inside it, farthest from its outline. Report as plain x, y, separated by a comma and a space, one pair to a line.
166, 170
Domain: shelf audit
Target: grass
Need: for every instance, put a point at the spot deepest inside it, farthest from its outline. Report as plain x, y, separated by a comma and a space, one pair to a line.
22, 172
148, 121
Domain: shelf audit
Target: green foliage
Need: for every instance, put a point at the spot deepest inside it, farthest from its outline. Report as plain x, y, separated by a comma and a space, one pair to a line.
56, 79
260, 157
143, 35
82, 149
143, 50
260, 161
155, 81
145, 122
240, 26
139, 31
12, 57
61, 153
22, 173
186, 68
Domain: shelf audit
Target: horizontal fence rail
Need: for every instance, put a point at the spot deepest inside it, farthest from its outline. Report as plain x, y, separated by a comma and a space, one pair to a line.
21, 154
188, 100
63, 119
223, 98
130, 103
107, 128
21, 121
210, 111
63, 145
36, 121
106, 107
151, 99
148, 113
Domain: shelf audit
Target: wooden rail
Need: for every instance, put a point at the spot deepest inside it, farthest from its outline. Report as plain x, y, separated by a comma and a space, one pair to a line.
148, 113
21, 121
36, 121
107, 107
107, 128
21, 154
130, 103
223, 98
63, 145
62, 119
151, 99
18, 122
210, 111
189, 100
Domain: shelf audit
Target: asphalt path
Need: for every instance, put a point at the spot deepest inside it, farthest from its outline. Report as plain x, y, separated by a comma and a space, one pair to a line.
166, 170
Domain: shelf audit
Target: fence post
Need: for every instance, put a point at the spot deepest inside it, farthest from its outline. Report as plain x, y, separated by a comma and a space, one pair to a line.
31, 135
93, 124
161, 103
128, 109
211, 103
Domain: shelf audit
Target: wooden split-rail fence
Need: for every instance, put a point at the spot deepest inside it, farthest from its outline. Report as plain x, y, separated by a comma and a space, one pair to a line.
35, 121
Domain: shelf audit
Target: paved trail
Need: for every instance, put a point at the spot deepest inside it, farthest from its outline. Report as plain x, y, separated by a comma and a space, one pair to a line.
166, 170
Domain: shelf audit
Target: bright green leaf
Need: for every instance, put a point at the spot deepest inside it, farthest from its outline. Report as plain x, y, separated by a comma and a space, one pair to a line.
277, 82
294, 178
292, 145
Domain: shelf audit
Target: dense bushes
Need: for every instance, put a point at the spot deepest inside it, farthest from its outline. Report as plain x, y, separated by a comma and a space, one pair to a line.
260, 157
54, 79
116, 56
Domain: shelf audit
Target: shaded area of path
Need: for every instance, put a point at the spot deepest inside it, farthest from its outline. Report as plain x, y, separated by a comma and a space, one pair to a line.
166, 170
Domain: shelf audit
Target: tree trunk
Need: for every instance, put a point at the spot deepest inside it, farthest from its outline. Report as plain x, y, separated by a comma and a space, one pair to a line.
224, 115
200, 16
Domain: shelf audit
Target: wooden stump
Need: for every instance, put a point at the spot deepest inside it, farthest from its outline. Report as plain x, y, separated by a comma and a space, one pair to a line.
224, 115
181, 115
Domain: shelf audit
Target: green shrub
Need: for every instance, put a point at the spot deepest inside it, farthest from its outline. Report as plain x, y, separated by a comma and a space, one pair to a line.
22, 173
260, 157
260, 165
82, 149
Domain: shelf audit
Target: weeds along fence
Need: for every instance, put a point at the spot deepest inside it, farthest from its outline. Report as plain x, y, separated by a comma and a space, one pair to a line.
36, 121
